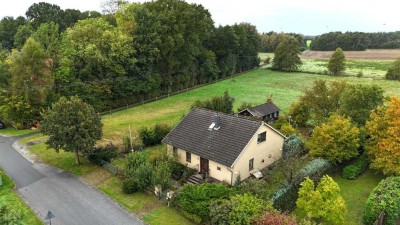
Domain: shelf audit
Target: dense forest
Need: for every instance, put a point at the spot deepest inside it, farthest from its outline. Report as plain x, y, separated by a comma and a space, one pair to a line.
128, 53
356, 41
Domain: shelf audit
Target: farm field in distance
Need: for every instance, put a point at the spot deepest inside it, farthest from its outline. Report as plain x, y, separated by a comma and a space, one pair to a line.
370, 54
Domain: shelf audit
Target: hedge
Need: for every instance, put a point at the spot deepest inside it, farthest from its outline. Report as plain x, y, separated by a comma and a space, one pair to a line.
351, 172
195, 200
284, 198
385, 197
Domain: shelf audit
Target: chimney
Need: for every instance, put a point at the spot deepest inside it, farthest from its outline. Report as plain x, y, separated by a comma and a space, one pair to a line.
217, 121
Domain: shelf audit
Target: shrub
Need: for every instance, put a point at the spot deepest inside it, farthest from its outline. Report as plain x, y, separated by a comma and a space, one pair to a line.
181, 172
100, 154
393, 72
139, 169
154, 136
246, 208
255, 187
196, 199
385, 197
129, 186
276, 218
239, 209
218, 103
352, 171
287, 129
9, 215
284, 198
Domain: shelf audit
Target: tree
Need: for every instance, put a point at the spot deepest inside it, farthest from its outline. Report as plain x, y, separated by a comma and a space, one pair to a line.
336, 140
323, 203
286, 56
22, 34
383, 145
44, 12
337, 62
393, 72
8, 28
72, 125
358, 100
47, 34
321, 100
31, 74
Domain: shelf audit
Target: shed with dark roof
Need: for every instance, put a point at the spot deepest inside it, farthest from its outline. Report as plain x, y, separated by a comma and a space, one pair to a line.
267, 111
222, 145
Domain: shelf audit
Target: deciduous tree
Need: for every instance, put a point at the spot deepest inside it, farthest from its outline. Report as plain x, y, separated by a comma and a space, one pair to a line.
72, 125
383, 146
337, 62
324, 204
358, 100
286, 56
335, 140
394, 71
31, 74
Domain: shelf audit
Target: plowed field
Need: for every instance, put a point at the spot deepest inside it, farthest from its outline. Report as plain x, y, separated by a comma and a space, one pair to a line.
372, 54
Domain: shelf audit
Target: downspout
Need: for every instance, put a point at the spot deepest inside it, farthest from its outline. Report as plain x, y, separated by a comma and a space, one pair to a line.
231, 175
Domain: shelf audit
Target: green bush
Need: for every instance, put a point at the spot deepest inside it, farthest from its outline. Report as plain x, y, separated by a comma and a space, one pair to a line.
103, 153
351, 172
284, 198
385, 197
129, 186
154, 136
139, 168
196, 199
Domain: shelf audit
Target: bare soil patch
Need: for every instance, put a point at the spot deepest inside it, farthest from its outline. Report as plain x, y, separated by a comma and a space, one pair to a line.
371, 54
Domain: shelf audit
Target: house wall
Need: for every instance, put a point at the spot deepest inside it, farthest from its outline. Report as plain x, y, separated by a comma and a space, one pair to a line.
223, 175
269, 151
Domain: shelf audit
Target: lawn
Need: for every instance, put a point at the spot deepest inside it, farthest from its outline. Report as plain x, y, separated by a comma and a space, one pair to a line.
355, 194
253, 87
9, 131
9, 198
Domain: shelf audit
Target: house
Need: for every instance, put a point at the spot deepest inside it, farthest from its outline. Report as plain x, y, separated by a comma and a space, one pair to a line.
267, 112
224, 146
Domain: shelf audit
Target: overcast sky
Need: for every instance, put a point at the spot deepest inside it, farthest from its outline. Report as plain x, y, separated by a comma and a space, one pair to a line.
309, 17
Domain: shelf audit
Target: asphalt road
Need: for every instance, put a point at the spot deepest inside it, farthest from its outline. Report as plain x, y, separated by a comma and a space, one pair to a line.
70, 200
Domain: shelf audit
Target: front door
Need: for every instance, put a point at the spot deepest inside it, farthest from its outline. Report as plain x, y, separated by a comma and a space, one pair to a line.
203, 165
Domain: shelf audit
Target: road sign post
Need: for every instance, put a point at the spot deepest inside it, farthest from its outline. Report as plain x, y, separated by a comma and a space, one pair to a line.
49, 216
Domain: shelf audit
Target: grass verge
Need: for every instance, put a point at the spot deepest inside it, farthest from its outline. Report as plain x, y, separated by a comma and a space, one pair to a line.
9, 198
14, 132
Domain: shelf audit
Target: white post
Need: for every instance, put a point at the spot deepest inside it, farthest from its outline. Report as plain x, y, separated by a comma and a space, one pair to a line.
130, 137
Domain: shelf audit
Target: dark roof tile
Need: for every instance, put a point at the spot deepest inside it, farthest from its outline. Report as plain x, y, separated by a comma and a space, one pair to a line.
223, 145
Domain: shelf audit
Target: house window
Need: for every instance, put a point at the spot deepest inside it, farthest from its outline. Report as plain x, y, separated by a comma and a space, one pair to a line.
262, 137
188, 157
175, 151
218, 168
251, 164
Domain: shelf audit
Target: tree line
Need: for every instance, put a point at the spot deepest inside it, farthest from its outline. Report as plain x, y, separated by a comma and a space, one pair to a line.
356, 41
131, 53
